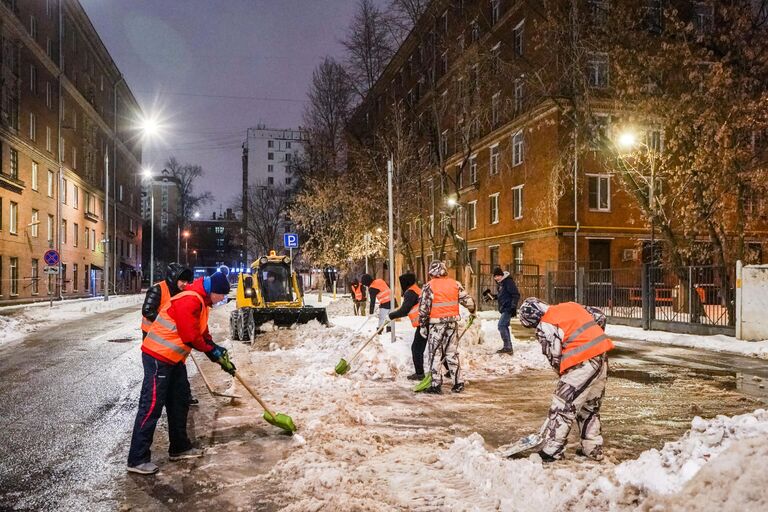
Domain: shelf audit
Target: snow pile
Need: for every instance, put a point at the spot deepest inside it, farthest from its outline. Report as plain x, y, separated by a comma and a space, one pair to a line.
717, 343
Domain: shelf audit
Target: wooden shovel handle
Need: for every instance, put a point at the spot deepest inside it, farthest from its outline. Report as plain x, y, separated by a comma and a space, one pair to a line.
254, 395
200, 371
378, 331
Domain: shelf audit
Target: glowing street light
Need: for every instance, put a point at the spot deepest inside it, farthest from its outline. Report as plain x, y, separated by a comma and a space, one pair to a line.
452, 202
627, 140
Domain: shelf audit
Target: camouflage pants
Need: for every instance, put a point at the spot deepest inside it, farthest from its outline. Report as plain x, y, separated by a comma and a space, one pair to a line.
578, 397
443, 345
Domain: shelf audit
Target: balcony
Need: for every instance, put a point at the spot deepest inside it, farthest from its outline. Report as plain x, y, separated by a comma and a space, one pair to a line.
11, 183
91, 216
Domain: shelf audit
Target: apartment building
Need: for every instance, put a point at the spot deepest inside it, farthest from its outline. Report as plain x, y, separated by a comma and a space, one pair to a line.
66, 133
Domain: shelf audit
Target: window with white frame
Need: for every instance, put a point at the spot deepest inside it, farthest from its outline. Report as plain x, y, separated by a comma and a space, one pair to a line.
64, 186
74, 158
34, 175
33, 79
444, 63
597, 70
473, 169
494, 165
34, 227
75, 234
444, 144
496, 58
460, 176
599, 192
50, 228
495, 108
48, 139
472, 214
51, 182
48, 95
13, 227
493, 208
431, 225
63, 233
14, 268
517, 202
517, 38
519, 92
517, 257
32, 126
75, 197
518, 149
35, 276
14, 156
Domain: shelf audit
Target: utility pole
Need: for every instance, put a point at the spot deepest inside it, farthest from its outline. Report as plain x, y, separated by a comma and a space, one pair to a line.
391, 239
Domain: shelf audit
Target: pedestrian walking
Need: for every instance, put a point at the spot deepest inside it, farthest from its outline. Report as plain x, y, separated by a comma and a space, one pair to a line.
410, 308
378, 291
177, 277
358, 297
181, 325
438, 322
573, 339
507, 298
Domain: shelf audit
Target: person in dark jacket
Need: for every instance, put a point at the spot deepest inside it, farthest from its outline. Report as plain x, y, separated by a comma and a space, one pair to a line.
410, 308
177, 277
508, 296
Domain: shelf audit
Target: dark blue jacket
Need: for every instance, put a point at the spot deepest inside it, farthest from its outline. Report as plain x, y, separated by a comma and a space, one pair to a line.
508, 296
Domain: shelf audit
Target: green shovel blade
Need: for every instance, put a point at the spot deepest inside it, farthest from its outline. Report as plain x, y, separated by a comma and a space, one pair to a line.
424, 384
280, 420
342, 367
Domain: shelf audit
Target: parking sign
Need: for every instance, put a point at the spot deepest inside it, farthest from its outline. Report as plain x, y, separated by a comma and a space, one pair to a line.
291, 241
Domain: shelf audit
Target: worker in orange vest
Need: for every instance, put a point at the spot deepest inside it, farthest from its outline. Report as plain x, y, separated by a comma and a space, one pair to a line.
379, 291
358, 297
438, 322
573, 338
181, 325
410, 308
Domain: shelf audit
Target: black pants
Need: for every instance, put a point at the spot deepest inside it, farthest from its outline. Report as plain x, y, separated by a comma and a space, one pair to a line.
165, 385
417, 351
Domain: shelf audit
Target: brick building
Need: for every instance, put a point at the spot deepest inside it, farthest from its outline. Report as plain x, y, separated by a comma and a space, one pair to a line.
216, 241
482, 93
65, 114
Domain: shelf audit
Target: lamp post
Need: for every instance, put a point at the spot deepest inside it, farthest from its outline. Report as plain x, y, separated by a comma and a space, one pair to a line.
148, 176
628, 140
186, 248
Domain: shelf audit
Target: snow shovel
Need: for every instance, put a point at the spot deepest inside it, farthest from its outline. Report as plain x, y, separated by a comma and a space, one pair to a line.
280, 420
343, 366
426, 382
212, 391
524, 444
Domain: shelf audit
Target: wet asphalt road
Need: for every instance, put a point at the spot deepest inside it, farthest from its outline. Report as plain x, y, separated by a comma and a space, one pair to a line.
67, 399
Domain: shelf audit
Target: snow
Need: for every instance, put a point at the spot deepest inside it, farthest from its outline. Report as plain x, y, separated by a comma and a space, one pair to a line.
716, 343
18, 321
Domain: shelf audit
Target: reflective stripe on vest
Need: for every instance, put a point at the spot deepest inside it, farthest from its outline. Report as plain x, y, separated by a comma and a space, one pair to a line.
357, 291
165, 296
583, 337
163, 338
413, 314
384, 294
445, 297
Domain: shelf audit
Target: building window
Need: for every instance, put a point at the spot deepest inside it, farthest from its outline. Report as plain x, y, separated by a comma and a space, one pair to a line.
444, 63
63, 278
475, 31
287, 181
597, 70
75, 197
288, 145
599, 192
48, 139
494, 166
493, 256
33, 79
13, 227
87, 239
444, 144
495, 11
496, 58
50, 183
14, 267
598, 10
270, 168
34, 227
519, 95
288, 157
87, 278
119, 192
517, 258
270, 181
75, 278
270, 143
460, 43
75, 234
63, 234
517, 202
703, 16
493, 208
49, 47
517, 148
35, 276
472, 214
270, 156
473, 169
64, 191
34, 175
495, 107
74, 158
48, 95
517, 38
32, 127
14, 156
50, 229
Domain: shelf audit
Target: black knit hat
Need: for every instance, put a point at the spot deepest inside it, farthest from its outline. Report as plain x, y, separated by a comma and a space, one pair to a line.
498, 272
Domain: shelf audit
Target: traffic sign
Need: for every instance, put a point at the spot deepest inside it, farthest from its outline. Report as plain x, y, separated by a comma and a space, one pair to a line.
50, 270
291, 241
51, 257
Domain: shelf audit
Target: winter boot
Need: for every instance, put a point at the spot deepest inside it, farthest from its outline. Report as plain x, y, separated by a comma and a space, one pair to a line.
193, 401
545, 457
458, 388
192, 453
147, 468
434, 390
596, 454
505, 350
416, 376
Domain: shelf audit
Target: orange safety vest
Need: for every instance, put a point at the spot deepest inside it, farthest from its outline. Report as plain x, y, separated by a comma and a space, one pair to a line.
165, 296
413, 314
163, 338
384, 295
582, 338
357, 291
445, 297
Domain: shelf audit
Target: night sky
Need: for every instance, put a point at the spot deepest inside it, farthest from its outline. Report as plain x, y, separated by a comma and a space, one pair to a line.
212, 68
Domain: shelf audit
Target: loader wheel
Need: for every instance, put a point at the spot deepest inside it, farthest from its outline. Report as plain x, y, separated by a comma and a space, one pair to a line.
234, 331
241, 325
249, 328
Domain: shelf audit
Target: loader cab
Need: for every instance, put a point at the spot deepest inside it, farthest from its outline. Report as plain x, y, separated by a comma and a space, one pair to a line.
275, 282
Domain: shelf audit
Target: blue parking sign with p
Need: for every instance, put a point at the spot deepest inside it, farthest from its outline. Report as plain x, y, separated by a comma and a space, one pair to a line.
291, 240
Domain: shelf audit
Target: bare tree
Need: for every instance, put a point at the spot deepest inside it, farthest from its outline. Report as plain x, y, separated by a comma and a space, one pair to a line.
267, 209
185, 176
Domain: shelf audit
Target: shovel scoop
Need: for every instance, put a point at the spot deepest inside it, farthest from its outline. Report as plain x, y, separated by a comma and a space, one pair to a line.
280, 420
342, 367
425, 383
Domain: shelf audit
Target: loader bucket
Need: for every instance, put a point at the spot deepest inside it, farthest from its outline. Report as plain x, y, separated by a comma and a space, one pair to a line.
425, 383
287, 316
280, 420
342, 367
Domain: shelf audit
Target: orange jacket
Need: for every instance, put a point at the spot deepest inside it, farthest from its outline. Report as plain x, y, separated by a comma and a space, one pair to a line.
445, 297
583, 339
357, 291
384, 294
413, 314
165, 296
163, 338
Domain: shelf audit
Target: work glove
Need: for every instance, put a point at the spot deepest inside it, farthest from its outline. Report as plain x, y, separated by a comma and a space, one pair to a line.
221, 356
424, 331
514, 311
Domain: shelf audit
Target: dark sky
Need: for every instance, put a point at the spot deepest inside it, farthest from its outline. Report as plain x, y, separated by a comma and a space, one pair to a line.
182, 58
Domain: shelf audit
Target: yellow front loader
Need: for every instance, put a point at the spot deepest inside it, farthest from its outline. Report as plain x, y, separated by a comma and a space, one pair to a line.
271, 292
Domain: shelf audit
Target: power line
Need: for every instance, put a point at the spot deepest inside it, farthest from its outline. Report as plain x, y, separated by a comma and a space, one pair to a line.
223, 96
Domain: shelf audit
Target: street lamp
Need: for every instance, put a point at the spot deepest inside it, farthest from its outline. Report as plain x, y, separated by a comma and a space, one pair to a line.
147, 174
186, 248
627, 141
